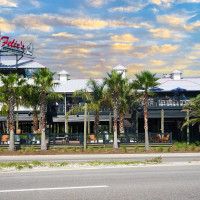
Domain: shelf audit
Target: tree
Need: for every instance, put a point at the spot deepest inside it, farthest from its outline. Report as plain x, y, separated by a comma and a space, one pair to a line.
113, 82
11, 86
145, 81
31, 99
44, 81
95, 97
193, 106
128, 97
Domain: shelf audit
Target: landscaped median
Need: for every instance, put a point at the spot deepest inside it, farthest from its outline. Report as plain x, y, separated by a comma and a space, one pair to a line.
17, 166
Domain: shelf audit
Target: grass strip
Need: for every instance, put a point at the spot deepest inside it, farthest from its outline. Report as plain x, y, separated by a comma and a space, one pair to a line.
34, 164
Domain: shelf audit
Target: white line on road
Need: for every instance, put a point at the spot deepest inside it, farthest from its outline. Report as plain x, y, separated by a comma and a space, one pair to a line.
60, 188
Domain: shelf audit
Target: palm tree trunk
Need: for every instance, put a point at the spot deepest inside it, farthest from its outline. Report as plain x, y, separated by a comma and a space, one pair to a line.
115, 113
121, 123
12, 120
35, 122
8, 123
96, 123
146, 121
43, 120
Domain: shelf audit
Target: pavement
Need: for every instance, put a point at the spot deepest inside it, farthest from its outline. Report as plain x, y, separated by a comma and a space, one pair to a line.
128, 183
166, 157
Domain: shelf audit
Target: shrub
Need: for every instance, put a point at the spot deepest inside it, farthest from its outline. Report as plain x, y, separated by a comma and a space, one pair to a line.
192, 146
184, 146
124, 149
168, 149
160, 149
91, 149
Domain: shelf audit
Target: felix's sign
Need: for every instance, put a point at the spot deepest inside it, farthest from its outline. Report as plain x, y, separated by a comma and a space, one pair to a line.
16, 47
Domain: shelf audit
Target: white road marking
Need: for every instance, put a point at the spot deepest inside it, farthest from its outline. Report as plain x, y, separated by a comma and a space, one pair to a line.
60, 188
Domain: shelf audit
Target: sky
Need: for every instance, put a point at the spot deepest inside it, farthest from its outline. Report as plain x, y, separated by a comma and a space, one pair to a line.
88, 38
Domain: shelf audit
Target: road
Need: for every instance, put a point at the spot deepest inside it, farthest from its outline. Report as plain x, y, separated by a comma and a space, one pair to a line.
166, 157
144, 182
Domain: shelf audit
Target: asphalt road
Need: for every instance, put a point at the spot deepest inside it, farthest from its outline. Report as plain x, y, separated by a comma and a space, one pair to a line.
145, 183
166, 157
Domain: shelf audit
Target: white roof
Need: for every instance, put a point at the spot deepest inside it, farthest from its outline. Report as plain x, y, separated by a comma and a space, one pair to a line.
71, 86
120, 67
23, 63
187, 83
176, 71
63, 72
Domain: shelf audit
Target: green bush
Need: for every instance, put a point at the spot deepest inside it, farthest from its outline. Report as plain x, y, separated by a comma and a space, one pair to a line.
91, 149
184, 146
192, 146
160, 149
124, 149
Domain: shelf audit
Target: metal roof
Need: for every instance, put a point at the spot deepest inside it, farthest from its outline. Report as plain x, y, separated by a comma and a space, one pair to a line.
120, 67
23, 63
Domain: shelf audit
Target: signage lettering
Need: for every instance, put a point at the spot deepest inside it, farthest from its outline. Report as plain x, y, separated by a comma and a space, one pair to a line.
15, 46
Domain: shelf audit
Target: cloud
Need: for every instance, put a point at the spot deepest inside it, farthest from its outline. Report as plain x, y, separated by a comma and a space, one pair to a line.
9, 3
96, 3
134, 68
124, 38
31, 22
165, 3
173, 20
35, 3
125, 9
64, 34
157, 62
29, 38
89, 35
139, 55
192, 26
166, 48
46, 23
189, 1
122, 46
90, 73
5, 26
161, 32
168, 34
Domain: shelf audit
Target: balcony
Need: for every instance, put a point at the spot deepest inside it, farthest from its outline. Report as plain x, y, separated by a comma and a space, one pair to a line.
166, 102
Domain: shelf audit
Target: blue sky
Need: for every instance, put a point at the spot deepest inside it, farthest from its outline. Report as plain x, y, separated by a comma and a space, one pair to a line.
89, 37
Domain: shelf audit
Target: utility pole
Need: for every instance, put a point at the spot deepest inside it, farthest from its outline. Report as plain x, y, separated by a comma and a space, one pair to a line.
85, 127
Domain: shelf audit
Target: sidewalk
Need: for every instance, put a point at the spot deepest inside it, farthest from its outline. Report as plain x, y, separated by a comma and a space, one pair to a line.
167, 157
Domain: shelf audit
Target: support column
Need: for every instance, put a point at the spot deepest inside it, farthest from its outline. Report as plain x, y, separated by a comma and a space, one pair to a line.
162, 121
85, 127
188, 128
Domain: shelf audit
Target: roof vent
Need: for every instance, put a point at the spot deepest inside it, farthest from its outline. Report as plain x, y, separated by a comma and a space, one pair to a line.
176, 74
63, 75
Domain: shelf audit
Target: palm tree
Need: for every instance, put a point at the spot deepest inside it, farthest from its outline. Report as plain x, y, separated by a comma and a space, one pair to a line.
113, 83
31, 98
145, 81
128, 97
94, 97
193, 106
44, 81
11, 85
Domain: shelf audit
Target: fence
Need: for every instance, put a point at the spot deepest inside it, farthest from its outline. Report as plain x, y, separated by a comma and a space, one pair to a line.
77, 138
